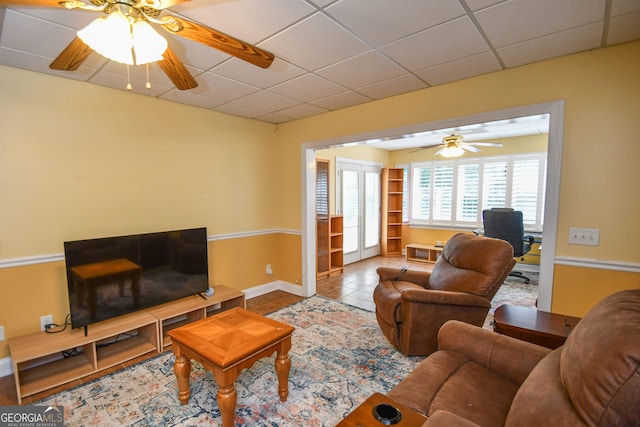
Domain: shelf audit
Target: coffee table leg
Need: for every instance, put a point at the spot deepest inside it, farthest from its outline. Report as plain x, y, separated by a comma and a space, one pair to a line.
227, 396
182, 368
283, 366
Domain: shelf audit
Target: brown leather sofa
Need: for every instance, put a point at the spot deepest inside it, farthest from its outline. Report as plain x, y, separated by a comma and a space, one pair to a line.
412, 305
481, 378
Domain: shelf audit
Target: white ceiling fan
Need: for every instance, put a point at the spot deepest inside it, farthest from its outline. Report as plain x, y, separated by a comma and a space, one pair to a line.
455, 146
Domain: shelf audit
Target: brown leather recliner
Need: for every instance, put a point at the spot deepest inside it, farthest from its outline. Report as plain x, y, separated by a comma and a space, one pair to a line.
481, 378
411, 306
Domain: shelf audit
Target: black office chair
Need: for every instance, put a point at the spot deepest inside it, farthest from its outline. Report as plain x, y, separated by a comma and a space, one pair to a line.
506, 224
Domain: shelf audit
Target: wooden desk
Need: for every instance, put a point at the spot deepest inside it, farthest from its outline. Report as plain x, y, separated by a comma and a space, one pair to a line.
227, 343
88, 277
363, 414
529, 324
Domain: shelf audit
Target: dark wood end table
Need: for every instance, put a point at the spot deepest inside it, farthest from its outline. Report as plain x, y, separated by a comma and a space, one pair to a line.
529, 324
362, 416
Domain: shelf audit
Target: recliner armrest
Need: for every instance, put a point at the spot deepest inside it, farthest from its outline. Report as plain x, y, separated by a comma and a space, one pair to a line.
508, 356
414, 276
432, 296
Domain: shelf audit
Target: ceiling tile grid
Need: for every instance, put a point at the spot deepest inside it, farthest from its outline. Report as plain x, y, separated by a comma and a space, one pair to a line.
329, 54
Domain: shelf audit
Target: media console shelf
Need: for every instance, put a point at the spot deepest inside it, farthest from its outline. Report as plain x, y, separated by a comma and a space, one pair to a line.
422, 253
37, 364
178, 313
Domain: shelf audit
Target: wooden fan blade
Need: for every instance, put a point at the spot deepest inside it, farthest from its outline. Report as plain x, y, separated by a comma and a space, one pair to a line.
72, 56
176, 71
218, 40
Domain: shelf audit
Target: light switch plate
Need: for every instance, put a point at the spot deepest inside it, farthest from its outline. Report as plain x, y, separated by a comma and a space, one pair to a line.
584, 236
1, 333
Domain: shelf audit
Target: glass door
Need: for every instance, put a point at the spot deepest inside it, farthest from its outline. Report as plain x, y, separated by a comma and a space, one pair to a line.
359, 204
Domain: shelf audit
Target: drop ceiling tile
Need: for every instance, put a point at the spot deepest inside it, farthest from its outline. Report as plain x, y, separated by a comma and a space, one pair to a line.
237, 18
13, 58
341, 100
474, 65
519, 20
314, 43
74, 19
475, 5
551, 46
302, 110
273, 118
620, 7
218, 87
367, 68
380, 22
239, 110
279, 71
395, 86
26, 33
307, 88
267, 101
447, 42
188, 98
624, 28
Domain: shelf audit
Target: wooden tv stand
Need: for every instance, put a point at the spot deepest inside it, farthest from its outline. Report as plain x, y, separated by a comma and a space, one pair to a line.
38, 367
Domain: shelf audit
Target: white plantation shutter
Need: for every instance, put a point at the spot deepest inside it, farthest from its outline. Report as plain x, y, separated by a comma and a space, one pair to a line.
421, 191
468, 192
442, 193
494, 192
454, 193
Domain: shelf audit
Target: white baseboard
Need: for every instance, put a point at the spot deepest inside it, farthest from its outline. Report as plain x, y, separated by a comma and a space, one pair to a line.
6, 367
278, 285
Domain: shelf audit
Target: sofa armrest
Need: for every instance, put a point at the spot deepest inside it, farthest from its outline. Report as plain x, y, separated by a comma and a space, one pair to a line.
505, 355
442, 418
432, 296
414, 276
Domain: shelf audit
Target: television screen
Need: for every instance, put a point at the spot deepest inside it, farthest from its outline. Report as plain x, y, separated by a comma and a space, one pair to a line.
111, 276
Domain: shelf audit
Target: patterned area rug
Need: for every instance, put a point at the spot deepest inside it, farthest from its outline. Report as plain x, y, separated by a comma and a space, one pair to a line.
339, 357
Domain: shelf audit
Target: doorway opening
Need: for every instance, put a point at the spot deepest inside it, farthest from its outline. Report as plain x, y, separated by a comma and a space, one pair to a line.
555, 109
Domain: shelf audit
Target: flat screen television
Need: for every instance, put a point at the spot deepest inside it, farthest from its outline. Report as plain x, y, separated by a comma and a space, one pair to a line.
112, 276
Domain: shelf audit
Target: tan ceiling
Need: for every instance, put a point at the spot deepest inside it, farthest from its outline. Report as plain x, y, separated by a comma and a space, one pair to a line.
332, 54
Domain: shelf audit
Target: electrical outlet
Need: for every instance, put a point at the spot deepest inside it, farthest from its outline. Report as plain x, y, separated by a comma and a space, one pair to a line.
1, 333
584, 236
45, 320
269, 269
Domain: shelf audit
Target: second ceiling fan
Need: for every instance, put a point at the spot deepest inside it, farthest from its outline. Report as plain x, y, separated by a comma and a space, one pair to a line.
455, 146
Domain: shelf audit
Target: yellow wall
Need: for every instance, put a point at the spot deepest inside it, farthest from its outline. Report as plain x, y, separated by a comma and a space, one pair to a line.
79, 160
601, 90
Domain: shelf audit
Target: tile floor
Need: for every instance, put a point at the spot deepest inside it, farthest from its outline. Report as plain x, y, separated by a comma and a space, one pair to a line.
354, 287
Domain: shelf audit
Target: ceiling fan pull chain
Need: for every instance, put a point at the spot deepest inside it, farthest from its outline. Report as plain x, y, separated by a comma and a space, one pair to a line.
128, 79
148, 82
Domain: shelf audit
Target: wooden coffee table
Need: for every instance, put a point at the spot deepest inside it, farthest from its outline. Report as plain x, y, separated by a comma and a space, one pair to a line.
529, 324
363, 414
227, 343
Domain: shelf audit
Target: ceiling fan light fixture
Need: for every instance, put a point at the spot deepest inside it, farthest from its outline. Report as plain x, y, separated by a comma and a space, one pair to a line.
452, 151
110, 37
148, 45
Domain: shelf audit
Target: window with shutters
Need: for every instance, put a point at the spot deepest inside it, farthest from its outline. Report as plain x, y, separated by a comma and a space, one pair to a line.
455, 192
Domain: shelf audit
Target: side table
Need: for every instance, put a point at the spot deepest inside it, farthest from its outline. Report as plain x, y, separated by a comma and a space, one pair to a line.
529, 324
363, 416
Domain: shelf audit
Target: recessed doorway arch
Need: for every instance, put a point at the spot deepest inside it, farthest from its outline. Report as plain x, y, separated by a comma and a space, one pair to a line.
555, 109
